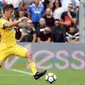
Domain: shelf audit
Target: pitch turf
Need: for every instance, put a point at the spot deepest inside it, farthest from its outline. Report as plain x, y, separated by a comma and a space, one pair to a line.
64, 77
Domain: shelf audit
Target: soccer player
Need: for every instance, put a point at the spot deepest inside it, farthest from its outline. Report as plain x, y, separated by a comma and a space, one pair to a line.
8, 45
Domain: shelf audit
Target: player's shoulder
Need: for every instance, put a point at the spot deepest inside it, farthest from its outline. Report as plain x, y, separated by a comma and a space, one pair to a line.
1, 19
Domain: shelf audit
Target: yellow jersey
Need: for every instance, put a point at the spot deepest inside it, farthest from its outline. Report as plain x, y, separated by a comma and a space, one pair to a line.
7, 34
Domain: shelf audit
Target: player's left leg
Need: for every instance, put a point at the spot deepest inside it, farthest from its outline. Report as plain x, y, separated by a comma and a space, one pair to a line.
32, 65
22, 52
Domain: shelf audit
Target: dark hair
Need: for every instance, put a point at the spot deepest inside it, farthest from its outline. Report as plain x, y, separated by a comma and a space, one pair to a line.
73, 26
8, 7
60, 5
45, 3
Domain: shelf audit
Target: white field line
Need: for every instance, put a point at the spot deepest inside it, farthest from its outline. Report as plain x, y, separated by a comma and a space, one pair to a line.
11, 75
19, 71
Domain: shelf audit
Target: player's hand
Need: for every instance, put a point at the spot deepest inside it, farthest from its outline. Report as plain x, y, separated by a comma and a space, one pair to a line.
23, 18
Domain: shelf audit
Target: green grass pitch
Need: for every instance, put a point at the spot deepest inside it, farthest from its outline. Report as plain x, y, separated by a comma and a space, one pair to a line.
64, 77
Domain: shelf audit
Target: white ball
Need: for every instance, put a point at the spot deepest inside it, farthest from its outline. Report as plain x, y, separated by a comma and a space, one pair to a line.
50, 78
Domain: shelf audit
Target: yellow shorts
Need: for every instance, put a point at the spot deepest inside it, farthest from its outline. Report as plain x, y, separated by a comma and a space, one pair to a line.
6, 51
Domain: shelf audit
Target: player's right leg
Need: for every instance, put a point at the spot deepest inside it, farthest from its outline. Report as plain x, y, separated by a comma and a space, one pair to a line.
22, 52
3, 57
4, 53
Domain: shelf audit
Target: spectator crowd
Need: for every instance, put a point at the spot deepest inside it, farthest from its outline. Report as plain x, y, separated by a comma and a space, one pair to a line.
49, 21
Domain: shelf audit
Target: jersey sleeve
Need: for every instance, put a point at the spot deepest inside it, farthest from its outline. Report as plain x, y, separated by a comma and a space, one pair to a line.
2, 23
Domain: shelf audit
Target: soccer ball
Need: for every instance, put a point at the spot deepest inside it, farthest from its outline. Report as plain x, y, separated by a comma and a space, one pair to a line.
50, 78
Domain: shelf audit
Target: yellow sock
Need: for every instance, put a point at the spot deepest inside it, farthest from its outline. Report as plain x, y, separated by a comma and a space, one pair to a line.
33, 67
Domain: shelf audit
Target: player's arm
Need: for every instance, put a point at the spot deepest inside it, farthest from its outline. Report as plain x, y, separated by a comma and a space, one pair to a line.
10, 24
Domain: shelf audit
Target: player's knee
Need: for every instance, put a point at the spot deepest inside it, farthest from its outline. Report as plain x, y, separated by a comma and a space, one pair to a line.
29, 55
